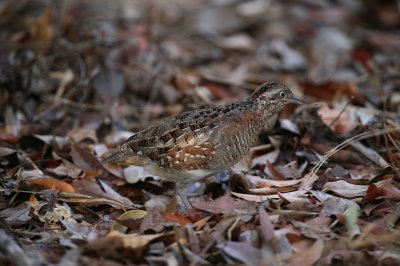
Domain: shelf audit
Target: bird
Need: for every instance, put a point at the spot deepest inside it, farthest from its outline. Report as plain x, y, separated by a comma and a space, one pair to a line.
193, 145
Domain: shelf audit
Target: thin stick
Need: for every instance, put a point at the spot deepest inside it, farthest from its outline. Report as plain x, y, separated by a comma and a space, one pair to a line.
347, 142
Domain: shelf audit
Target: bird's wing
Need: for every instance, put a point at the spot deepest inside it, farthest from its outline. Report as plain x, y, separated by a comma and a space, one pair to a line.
173, 141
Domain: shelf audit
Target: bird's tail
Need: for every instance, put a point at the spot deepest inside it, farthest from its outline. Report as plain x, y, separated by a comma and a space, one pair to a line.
118, 156
114, 157
124, 155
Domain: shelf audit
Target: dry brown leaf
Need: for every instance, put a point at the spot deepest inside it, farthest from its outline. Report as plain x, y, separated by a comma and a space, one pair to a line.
384, 190
273, 172
261, 182
226, 205
153, 221
84, 159
267, 229
309, 256
176, 218
346, 189
244, 252
338, 120
49, 182
260, 198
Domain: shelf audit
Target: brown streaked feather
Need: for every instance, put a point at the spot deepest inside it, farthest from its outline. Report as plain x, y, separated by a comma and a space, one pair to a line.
184, 131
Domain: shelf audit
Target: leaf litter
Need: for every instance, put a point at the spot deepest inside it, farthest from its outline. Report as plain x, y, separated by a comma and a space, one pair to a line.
320, 187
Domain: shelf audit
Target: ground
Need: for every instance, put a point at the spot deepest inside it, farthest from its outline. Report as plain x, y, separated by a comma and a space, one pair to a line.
321, 186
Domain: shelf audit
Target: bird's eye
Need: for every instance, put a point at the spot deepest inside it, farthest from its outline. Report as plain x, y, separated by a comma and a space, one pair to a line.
282, 94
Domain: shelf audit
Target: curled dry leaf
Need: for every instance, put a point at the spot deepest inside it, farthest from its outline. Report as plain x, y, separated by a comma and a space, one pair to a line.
153, 221
84, 159
244, 252
176, 218
321, 232
341, 204
290, 196
271, 170
133, 214
267, 229
226, 205
338, 120
385, 190
127, 218
17, 215
92, 188
65, 169
261, 182
309, 256
79, 230
263, 159
346, 189
83, 133
115, 239
112, 194
49, 182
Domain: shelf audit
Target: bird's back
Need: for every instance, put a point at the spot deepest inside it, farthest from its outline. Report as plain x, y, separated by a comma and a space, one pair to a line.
212, 138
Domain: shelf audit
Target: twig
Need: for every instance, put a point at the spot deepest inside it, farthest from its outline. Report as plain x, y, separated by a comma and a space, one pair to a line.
336, 118
344, 144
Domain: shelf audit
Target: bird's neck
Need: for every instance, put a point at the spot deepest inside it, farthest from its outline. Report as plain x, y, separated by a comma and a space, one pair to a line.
264, 108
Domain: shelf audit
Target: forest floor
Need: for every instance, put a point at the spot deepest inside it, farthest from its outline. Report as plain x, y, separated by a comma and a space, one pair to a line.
77, 78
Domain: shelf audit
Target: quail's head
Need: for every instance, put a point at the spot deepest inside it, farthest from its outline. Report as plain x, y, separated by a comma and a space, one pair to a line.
273, 96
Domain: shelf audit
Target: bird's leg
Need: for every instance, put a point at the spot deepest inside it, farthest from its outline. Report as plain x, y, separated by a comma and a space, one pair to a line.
181, 197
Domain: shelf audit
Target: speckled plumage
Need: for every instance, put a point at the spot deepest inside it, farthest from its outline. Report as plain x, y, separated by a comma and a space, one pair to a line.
196, 144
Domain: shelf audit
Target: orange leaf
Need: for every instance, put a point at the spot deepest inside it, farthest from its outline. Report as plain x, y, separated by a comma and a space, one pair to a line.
177, 218
49, 182
93, 174
33, 201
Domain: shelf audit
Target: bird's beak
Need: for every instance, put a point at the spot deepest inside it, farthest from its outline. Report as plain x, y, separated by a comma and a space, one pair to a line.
294, 99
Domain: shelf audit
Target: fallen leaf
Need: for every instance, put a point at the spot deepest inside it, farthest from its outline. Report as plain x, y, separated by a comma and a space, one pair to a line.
115, 239
263, 159
315, 231
153, 222
130, 219
79, 230
65, 169
384, 189
267, 229
176, 218
136, 240
271, 171
243, 252
84, 159
261, 198
226, 205
49, 182
133, 214
309, 256
83, 133
17, 215
92, 188
328, 90
338, 120
112, 194
346, 189
334, 204
261, 182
